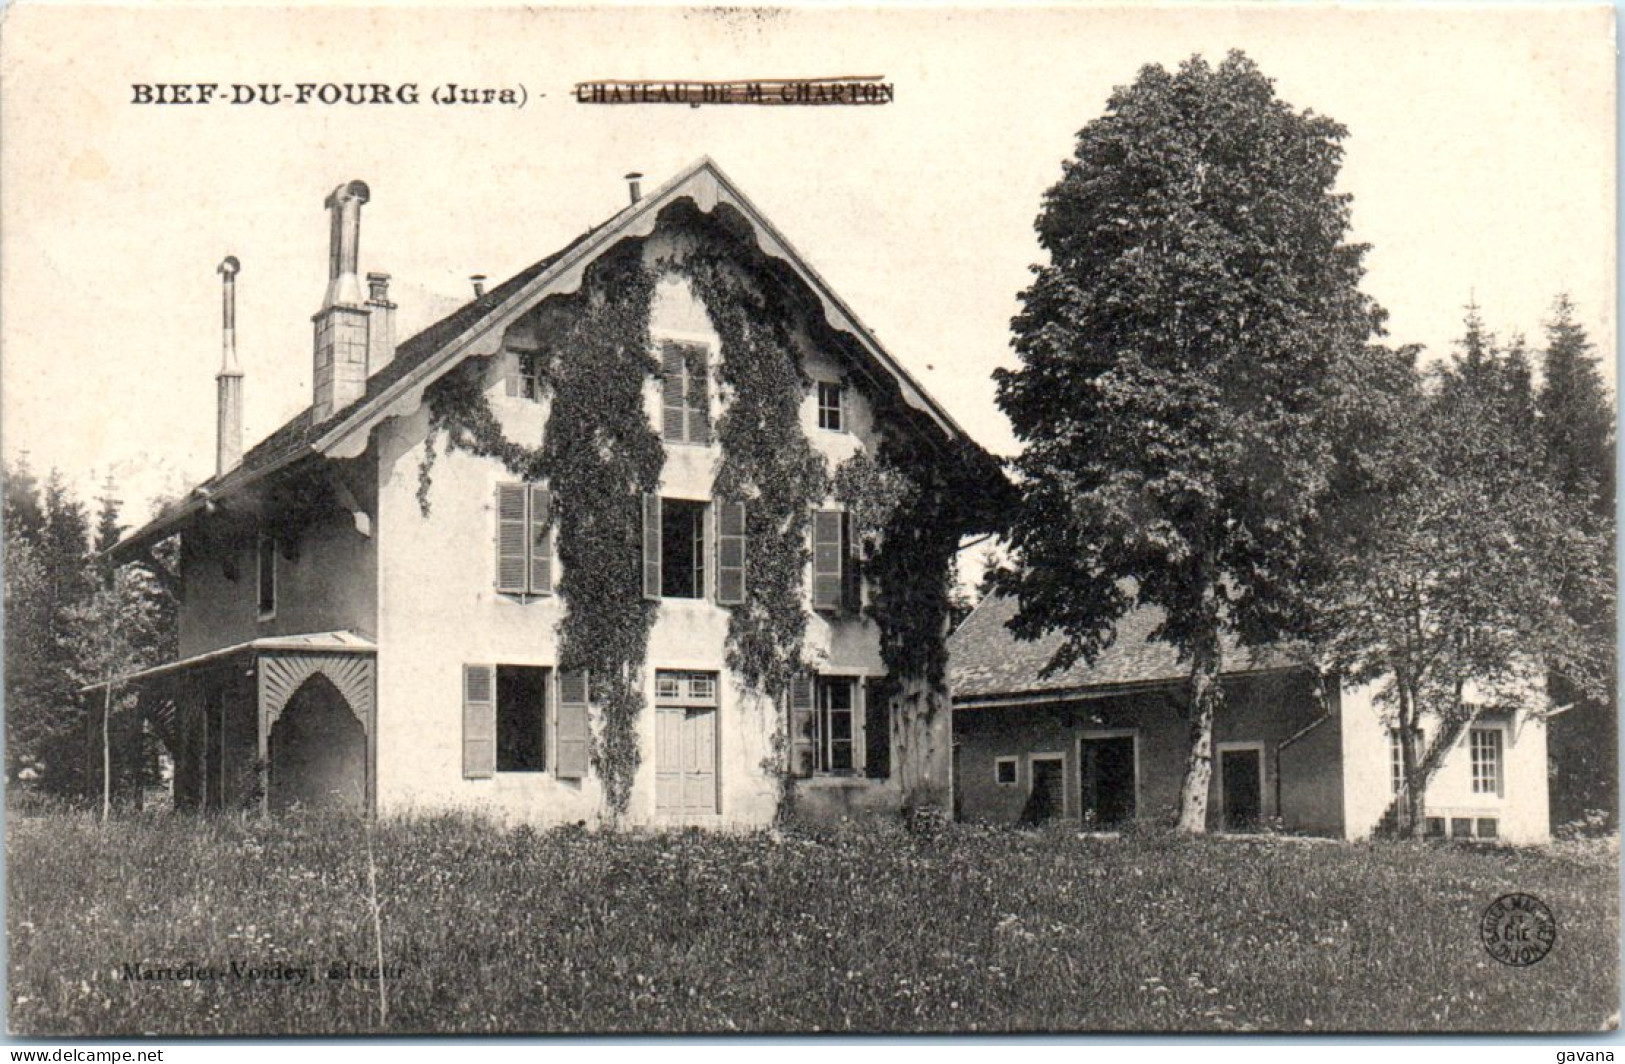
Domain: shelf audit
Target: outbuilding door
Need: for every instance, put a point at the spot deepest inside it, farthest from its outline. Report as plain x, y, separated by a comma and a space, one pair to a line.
1241, 774
1108, 782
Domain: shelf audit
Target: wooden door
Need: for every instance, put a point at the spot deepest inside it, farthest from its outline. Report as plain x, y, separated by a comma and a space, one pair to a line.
685, 761
700, 761
1242, 773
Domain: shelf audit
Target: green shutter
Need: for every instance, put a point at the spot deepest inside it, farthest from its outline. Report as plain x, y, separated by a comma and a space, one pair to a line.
541, 547
851, 571
651, 547
512, 362
803, 743
512, 557
479, 722
828, 578
672, 408
730, 553
574, 697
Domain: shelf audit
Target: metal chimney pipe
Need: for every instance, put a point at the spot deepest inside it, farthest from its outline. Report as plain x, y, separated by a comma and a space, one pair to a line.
478, 280
228, 450
634, 184
344, 246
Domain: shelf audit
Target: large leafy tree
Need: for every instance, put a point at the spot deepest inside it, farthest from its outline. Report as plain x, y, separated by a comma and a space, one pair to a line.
1442, 550
1178, 352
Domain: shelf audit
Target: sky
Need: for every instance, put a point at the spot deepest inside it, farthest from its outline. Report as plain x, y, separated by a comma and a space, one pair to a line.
1480, 157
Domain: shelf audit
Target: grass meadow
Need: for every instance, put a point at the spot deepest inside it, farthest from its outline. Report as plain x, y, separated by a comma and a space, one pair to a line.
487, 930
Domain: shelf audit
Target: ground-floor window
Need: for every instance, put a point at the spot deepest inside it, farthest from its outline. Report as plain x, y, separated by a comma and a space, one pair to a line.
521, 718
1396, 756
1004, 771
837, 704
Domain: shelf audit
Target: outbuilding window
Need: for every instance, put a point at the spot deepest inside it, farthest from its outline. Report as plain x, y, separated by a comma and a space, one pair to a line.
1004, 771
1487, 770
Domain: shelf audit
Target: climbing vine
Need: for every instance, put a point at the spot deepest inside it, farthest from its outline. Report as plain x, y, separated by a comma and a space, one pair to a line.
598, 454
767, 461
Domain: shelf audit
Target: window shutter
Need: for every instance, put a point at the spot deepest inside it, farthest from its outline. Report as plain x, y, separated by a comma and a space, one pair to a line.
651, 546
479, 722
673, 374
730, 553
827, 567
572, 726
512, 557
860, 722
851, 571
541, 553
514, 361
699, 398
876, 732
803, 743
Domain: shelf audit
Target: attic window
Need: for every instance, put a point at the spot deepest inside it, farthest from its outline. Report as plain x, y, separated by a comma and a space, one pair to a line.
831, 406
524, 377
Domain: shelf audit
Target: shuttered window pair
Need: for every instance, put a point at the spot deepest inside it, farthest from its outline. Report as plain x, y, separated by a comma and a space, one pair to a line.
658, 554
837, 727
836, 577
524, 549
685, 398
480, 714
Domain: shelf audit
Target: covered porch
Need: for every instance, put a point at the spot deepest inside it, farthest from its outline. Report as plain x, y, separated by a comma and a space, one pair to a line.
279, 723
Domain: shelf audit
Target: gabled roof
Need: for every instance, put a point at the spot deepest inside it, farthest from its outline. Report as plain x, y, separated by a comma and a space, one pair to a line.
476, 329
986, 662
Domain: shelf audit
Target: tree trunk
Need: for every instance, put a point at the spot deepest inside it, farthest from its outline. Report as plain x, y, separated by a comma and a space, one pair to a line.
1412, 813
107, 750
920, 743
1206, 696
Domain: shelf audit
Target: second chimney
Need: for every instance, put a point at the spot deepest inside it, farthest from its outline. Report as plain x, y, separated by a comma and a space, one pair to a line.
380, 323
228, 439
339, 373
634, 185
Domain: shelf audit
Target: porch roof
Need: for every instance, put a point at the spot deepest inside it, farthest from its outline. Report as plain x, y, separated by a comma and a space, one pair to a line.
337, 642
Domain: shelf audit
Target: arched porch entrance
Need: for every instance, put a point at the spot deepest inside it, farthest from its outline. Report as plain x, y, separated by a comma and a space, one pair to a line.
317, 752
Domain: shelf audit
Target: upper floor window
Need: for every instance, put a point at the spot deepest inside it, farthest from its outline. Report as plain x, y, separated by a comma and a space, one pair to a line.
266, 589
524, 374
678, 537
836, 578
831, 406
685, 401
1487, 770
524, 551
682, 549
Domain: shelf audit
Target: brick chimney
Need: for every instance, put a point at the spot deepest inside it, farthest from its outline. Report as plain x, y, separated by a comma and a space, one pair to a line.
228, 446
381, 323
342, 344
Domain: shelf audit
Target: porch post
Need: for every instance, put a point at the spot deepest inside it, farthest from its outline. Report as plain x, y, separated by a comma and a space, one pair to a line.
262, 715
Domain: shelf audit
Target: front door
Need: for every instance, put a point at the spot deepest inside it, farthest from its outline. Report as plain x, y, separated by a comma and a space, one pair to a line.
1107, 782
686, 761
1242, 776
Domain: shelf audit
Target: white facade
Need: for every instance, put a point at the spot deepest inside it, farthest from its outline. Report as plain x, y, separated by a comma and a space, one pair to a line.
439, 610
1510, 788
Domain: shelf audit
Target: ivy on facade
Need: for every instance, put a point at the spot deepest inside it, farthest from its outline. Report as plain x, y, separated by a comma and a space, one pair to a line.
599, 453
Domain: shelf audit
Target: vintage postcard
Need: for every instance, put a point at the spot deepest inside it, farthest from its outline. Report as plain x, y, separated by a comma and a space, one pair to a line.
678, 519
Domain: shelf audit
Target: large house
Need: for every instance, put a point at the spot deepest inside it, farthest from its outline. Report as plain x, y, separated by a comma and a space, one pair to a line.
376, 601
1105, 743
